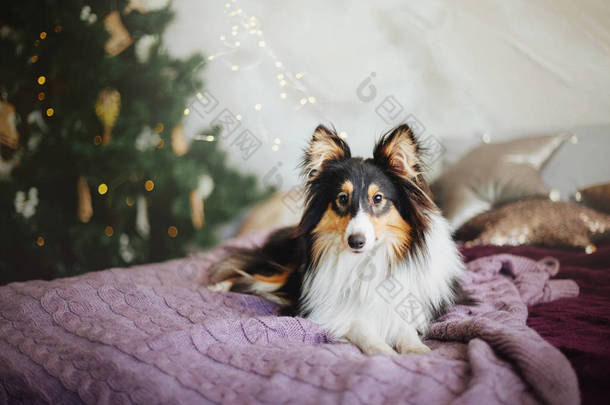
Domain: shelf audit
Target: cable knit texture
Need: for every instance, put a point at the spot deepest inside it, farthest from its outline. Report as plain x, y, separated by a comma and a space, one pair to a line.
154, 334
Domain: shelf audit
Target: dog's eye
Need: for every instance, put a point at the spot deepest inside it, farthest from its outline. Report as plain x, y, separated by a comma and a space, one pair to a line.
342, 198
377, 198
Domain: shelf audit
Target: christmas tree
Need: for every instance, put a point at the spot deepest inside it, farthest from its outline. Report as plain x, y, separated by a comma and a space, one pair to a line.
95, 169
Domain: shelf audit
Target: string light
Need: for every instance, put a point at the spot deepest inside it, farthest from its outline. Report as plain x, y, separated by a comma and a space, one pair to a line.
209, 138
283, 96
311, 99
591, 248
109, 231
40, 241
238, 117
34, 58
261, 44
50, 112
277, 141
41, 96
97, 140
187, 111
58, 28
275, 148
280, 76
43, 35
235, 68
172, 231
486, 138
578, 196
211, 57
258, 107
303, 101
298, 75
149, 185
342, 134
102, 189
555, 195
278, 64
41, 80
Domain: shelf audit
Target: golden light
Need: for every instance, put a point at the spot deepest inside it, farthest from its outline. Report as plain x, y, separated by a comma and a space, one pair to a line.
172, 231
43, 35
149, 185
102, 189
109, 231
210, 138
41, 96
41, 80
591, 248
97, 140
50, 112
34, 59
186, 111
40, 241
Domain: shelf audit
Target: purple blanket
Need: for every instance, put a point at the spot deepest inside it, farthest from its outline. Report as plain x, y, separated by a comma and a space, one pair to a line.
155, 334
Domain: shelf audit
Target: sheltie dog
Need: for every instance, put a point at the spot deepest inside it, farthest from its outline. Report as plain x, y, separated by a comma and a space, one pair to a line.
372, 260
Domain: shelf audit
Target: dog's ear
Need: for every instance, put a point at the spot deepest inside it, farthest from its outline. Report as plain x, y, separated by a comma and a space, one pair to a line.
325, 147
398, 152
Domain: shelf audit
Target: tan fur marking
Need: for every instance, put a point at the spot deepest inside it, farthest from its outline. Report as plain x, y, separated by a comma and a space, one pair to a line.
395, 227
332, 222
347, 187
279, 278
373, 189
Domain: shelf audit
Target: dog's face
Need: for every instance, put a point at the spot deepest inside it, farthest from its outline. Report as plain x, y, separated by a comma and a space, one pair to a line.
364, 202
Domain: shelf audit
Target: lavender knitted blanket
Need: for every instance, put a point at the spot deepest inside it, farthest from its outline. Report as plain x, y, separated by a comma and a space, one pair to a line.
154, 334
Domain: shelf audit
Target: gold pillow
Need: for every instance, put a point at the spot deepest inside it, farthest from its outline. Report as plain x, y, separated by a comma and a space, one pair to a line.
597, 196
538, 222
493, 174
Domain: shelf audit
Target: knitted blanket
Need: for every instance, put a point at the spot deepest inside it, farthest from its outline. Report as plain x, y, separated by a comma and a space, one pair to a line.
155, 334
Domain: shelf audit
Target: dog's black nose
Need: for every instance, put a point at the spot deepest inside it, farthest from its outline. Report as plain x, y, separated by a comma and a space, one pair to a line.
356, 241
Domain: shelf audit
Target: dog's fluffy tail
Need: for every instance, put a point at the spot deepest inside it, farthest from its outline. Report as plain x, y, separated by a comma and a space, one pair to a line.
265, 271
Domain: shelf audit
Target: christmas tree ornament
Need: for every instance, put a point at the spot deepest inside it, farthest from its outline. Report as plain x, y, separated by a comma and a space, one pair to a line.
119, 36
85, 208
26, 206
204, 188
148, 139
8, 126
142, 221
179, 144
197, 215
144, 46
107, 109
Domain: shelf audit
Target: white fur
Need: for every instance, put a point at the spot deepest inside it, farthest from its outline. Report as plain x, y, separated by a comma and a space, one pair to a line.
361, 224
346, 293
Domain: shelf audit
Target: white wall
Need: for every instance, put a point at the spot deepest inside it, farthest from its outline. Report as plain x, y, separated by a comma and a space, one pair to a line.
461, 68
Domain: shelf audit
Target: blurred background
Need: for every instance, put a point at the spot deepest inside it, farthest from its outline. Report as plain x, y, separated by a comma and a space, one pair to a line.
141, 130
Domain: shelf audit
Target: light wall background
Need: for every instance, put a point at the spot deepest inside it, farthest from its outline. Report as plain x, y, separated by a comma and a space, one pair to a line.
463, 69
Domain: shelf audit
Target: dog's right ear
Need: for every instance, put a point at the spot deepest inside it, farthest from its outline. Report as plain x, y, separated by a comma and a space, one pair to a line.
325, 147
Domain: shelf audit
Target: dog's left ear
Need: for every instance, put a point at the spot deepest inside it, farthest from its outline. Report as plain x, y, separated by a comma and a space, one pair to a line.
398, 152
325, 147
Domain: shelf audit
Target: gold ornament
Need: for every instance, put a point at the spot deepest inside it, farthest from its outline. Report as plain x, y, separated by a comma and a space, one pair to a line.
119, 36
197, 216
179, 144
8, 128
85, 209
107, 109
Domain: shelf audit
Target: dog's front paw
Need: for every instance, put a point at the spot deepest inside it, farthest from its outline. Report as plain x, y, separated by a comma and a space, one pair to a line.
374, 349
418, 348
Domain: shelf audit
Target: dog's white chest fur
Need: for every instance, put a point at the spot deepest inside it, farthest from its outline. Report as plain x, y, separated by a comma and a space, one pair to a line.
388, 300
